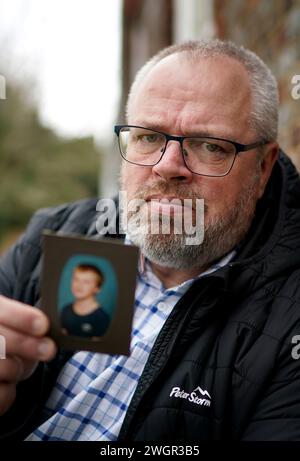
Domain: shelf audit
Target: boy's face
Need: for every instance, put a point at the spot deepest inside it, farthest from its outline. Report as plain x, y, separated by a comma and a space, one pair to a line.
84, 284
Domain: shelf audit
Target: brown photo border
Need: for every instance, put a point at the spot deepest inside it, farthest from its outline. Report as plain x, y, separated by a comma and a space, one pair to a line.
58, 249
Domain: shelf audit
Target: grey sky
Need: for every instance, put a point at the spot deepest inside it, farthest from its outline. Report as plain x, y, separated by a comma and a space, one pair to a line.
71, 49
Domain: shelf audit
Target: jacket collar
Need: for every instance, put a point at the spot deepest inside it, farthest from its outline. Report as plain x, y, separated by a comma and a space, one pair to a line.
272, 245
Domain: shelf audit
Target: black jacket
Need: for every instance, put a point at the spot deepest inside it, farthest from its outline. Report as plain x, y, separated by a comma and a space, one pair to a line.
222, 365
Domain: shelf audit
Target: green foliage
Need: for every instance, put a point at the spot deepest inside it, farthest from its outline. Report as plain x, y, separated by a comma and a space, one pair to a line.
37, 167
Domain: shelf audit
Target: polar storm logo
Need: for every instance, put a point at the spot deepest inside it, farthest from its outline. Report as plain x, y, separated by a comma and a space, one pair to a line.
198, 396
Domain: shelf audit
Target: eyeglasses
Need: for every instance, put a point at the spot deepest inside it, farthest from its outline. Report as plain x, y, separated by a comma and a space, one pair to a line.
205, 156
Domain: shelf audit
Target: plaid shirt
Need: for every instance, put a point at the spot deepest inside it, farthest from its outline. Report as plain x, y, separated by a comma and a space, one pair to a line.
93, 391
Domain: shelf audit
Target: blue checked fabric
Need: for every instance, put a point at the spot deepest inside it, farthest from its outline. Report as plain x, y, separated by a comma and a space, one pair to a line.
93, 391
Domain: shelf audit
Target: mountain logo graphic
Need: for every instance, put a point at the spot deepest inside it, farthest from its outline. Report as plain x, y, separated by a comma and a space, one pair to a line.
202, 392
198, 396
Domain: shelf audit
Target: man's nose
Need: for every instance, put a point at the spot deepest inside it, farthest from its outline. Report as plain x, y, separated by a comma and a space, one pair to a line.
172, 165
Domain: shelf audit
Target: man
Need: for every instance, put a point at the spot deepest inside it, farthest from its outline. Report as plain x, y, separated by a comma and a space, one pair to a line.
213, 327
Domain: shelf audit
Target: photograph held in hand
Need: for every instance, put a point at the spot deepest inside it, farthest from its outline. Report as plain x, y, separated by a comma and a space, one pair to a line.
88, 292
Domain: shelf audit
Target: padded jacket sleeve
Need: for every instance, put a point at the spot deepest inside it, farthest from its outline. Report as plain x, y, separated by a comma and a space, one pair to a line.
277, 414
8, 269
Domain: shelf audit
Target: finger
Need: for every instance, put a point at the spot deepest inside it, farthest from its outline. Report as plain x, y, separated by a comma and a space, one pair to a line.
11, 369
29, 367
22, 317
28, 347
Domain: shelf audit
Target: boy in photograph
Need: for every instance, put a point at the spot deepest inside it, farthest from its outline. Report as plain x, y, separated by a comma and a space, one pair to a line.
85, 317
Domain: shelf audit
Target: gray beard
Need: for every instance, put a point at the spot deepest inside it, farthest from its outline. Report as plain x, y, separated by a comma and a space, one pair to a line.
221, 235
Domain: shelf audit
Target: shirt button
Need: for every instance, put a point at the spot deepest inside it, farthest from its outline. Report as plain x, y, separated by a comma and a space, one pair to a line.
162, 306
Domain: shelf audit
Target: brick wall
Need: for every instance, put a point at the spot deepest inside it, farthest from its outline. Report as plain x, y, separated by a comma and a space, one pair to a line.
147, 27
272, 30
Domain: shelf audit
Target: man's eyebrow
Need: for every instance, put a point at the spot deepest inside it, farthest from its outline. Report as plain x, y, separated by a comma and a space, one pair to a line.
151, 126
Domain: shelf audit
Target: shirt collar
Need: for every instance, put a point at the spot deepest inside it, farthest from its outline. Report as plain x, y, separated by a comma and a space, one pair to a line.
145, 270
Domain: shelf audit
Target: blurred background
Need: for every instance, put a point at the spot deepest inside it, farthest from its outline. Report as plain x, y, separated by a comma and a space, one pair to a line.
65, 71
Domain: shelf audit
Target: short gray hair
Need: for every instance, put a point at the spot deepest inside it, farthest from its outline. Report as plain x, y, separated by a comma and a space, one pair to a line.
264, 114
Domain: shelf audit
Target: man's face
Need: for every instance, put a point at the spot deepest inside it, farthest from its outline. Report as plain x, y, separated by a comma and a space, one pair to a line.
213, 98
84, 284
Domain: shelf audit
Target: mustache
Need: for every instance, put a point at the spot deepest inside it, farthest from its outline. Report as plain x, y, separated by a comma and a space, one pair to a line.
178, 190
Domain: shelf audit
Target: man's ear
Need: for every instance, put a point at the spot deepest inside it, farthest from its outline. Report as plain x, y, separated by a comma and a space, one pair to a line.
268, 159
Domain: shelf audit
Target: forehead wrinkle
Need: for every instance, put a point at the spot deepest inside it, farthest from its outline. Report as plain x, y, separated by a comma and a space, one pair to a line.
189, 117
192, 127
185, 109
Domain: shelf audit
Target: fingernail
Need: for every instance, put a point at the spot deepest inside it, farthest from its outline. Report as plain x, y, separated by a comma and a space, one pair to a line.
38, 326
44, 348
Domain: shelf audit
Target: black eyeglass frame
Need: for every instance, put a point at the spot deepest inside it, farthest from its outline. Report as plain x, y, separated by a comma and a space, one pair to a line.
239, 148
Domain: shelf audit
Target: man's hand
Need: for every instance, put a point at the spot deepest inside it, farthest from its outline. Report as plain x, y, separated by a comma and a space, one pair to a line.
24, 328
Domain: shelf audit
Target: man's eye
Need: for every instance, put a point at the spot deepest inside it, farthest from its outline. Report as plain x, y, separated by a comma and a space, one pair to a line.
213, 147
149, 138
